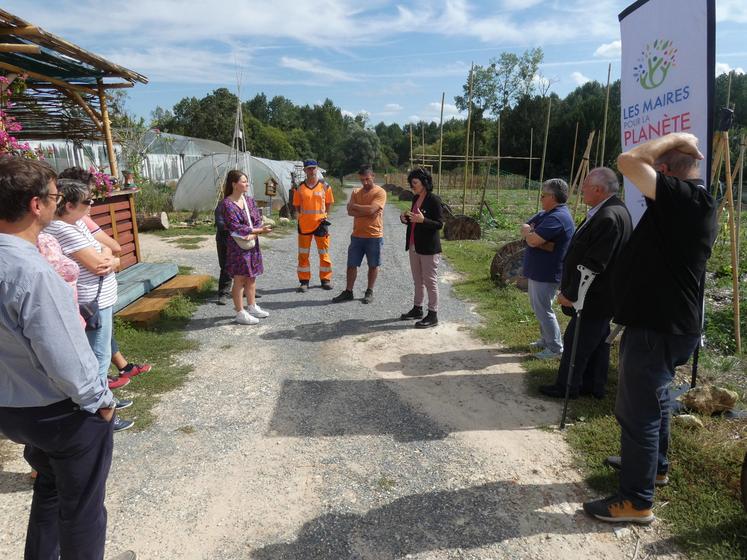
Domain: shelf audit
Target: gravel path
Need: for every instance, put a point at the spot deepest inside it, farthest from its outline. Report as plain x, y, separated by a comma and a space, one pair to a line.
337, 431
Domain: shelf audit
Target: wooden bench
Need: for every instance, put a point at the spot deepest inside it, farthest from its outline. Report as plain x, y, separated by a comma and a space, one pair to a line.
147, 309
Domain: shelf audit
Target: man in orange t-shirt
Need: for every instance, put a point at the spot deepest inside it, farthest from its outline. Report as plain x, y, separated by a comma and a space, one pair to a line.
366, 205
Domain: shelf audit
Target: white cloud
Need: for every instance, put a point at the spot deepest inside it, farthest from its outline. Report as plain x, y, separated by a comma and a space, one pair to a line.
731, 10
724, 68
414, 119
579, 78
609, 50
393, 107
315, 67
434, 110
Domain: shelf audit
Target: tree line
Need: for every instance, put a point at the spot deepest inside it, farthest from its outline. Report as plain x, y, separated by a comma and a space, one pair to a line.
509, 93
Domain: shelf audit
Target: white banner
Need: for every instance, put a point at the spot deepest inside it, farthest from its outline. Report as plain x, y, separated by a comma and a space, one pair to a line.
668, 64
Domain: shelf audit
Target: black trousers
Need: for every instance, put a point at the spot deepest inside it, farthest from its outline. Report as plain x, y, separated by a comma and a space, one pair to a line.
72, 452
224, 281
592, 356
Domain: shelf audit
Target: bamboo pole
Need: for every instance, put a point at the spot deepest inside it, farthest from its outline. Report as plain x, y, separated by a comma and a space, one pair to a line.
742, 146
410, 146
484, 188
422, 129
107, 131
531, 147
441, 141
466, 140
606, 111
596, 152
732, 235
573, 155
18, 48
42, 77
93, 115
498, 158
544, 151
472, 165
583, 171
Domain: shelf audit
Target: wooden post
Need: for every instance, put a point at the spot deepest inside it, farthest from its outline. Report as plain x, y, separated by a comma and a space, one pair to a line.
606, 110
107, 131
573, 156
441, 142
596, 152
544, 151
583, 171
411, 147
466, 140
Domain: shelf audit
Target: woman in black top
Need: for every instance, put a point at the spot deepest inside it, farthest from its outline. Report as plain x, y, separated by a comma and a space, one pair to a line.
422, 242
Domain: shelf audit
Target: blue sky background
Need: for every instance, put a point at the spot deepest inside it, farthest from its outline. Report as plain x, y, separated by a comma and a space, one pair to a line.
390, 60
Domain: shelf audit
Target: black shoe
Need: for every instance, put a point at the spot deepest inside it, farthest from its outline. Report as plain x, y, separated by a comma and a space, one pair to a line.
367, 297
345, 295
557, 392
430, 320
415, 313
303, 288
257, 295
326, 285
222, 299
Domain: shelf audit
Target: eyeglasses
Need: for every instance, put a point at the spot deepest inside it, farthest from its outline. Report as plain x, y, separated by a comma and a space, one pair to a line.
544, 194
88, 201
57, 197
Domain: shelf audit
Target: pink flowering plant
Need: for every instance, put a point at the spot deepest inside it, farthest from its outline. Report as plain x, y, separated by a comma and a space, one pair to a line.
105, 183
9, 144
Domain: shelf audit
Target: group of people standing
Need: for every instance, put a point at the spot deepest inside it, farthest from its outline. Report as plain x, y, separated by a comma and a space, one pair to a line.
648, 279
239, 225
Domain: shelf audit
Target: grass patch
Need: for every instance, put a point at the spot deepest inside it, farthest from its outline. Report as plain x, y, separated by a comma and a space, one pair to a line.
159, 345
701, 505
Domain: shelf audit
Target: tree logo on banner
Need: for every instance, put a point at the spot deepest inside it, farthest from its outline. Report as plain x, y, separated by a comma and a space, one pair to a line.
654, 64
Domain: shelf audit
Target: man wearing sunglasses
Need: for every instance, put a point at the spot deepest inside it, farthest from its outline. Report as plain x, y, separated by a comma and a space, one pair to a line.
51, 398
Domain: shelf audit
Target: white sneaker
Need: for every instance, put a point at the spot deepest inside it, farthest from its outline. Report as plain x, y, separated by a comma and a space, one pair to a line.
257, 311
243, 318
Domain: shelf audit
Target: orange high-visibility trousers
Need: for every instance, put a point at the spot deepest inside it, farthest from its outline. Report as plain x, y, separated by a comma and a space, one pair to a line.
325, 262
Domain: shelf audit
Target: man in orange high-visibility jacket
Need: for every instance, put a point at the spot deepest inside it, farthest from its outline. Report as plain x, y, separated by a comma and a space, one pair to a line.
313, 199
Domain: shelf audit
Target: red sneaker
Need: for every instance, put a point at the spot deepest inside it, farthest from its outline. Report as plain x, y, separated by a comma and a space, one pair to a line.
131, 370
117, 382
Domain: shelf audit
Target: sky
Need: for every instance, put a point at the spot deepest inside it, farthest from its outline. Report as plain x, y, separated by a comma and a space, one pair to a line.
390, 60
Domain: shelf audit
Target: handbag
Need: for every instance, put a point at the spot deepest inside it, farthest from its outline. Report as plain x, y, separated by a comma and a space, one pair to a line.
90, 310
245, 244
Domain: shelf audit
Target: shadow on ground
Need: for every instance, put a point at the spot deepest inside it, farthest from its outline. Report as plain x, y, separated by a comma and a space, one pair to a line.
456, 360
330, 408
322, 332
467, 518
11, 482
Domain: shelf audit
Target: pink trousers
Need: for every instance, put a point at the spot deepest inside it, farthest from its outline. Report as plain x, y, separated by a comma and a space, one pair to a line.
425, 277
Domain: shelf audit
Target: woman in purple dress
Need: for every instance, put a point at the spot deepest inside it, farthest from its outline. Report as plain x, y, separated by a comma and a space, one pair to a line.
243, 221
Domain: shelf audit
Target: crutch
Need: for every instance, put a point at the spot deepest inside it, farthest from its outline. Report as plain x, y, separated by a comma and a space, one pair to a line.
587, 277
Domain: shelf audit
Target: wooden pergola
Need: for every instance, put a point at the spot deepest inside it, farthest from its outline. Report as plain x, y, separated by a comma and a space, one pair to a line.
66, 85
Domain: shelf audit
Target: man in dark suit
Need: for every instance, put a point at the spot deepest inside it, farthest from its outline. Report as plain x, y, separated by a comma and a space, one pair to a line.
595, 245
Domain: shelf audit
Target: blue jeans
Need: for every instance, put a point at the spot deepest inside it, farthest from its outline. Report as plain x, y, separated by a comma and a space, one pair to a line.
101, 342
646, 368
541, 295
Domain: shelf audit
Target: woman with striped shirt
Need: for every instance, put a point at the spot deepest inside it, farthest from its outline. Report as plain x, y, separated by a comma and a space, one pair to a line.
95, 260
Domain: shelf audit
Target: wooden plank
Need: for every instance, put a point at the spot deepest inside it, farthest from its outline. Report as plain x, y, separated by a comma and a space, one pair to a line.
125, 226
125, 238
99, 209
122, 215
148, 308
139, 254
127, 261
127, 248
